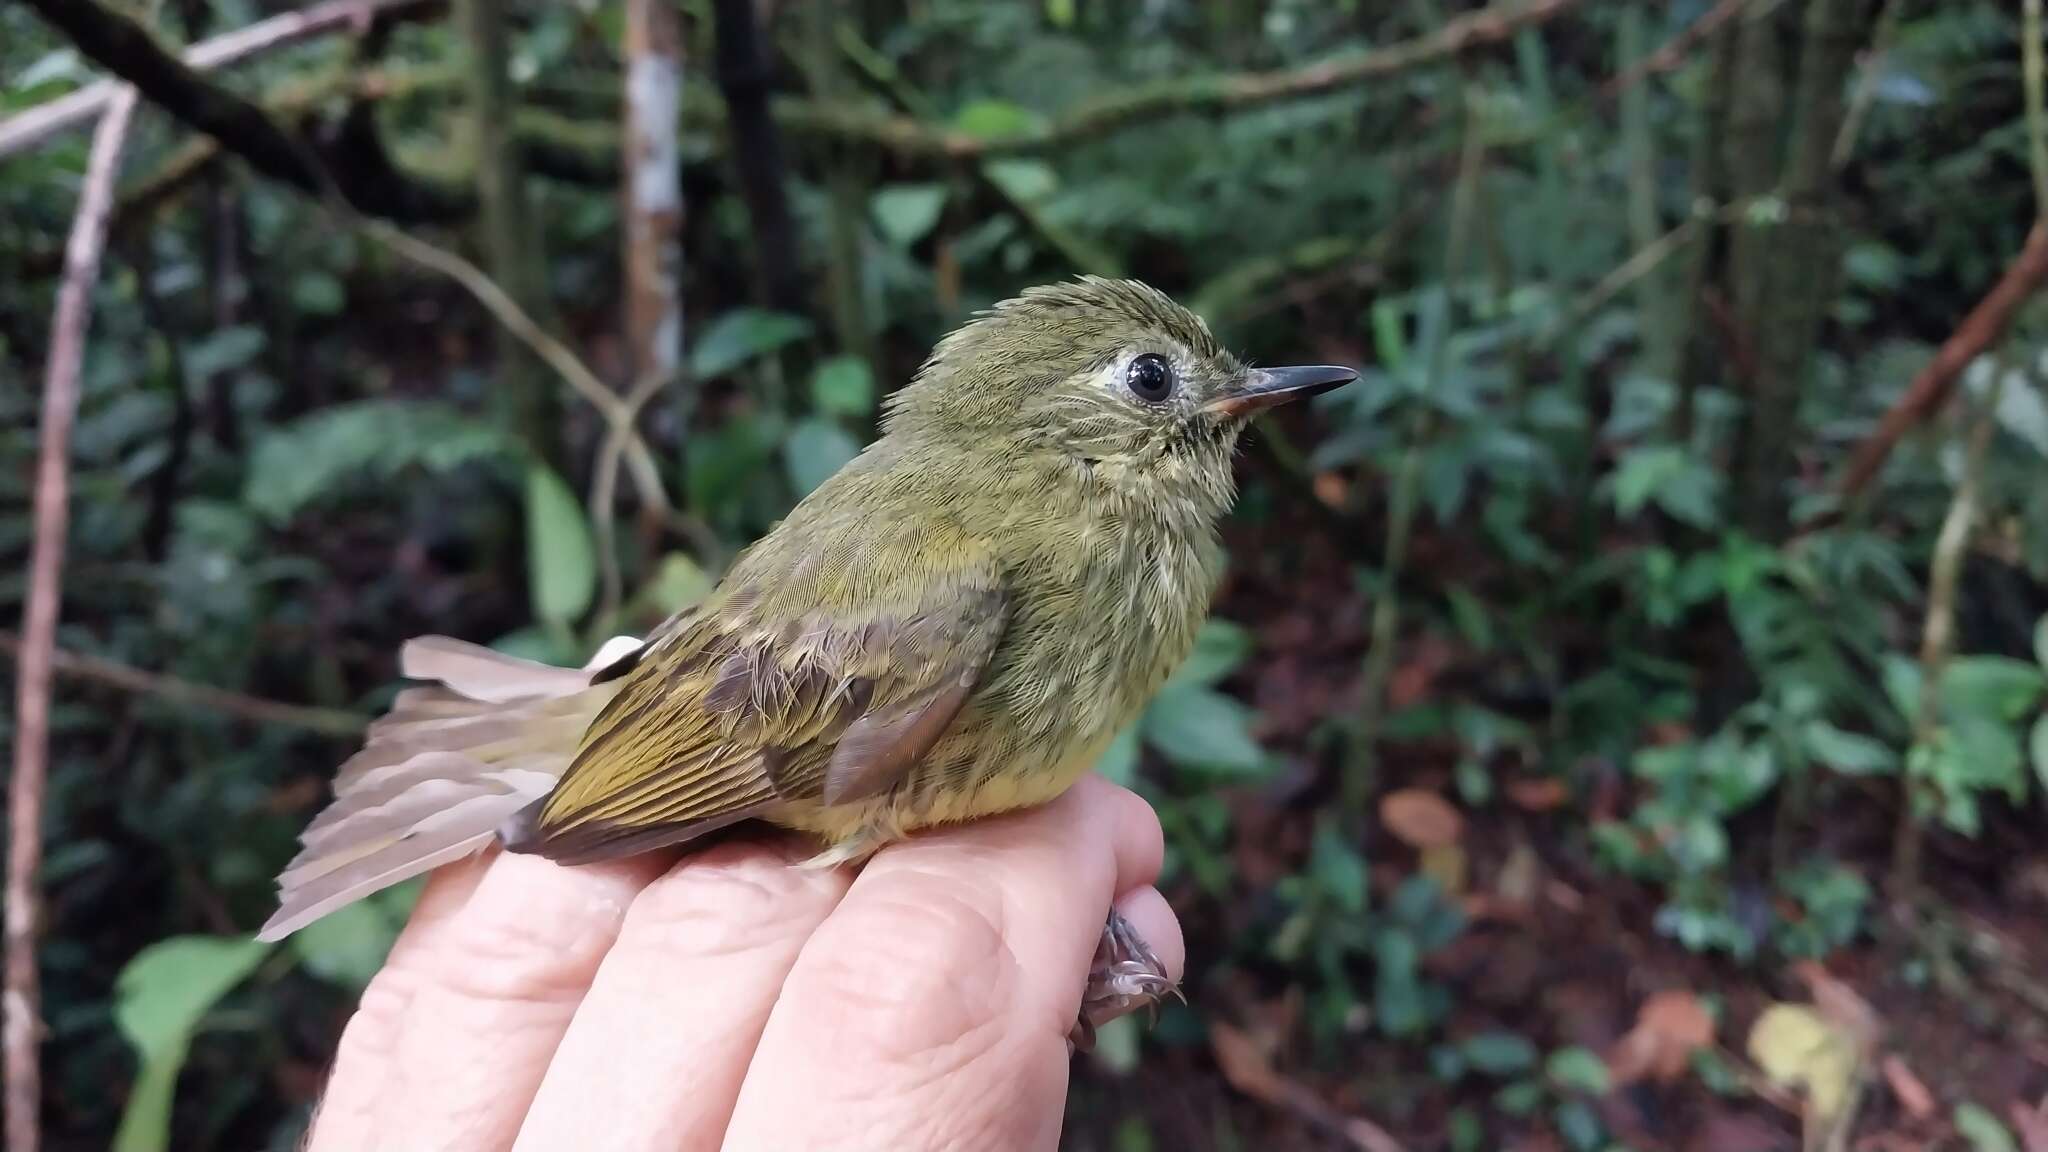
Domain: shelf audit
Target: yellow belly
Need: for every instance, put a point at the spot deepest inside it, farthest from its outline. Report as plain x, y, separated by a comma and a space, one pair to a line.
853, 831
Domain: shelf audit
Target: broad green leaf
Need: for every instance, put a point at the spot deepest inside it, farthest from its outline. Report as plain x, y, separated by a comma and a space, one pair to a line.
1849, 753
743, 335
1338, 869
1119, 762
678, 583
1116, 1045
906, 213
814, 451
1499, 1053
1996, 686
1576, 1069
318, 293
1202, 728
843, 386
1219, 648
348, 945
561, 560
2041, 643
1026, 180
1985, 1132
160, 998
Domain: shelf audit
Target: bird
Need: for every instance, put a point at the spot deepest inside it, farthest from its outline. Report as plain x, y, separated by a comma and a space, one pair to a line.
954, 624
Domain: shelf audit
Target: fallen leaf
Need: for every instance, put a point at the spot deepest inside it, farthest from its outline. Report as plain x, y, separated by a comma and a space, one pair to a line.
1910, 1091
1520, 875
1420, 818
1669, 1027
1842, 1005
1538, 793
1797, 1047
1248, 1067
1333, 489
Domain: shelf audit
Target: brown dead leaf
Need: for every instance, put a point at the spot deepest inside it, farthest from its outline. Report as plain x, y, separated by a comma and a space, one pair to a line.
1669, 1026
1538, 793
1333, 489
2031, 1124
1842, 1005
1420, 818
1248, 1067
1244, 1065
1908, 1089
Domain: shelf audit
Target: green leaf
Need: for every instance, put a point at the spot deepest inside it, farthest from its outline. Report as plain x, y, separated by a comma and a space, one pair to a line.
1338, 869
160, 998
2041, 643
223, 350
1219, 648
1026, 180
906, 213
1849, 753
2037, 744
743, 335
1119, 761
1579, 1126
296, 464
991, 119
1202, 728
843, 386
678, 583
561, 560
1499, 1053
1976, 1124
1116, 1045
814, 451
348, 945
1995, 686
1577, 1069
318, 293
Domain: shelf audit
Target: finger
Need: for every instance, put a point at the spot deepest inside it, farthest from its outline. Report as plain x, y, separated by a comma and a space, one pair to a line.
686, 990
931, 1009
454, 1033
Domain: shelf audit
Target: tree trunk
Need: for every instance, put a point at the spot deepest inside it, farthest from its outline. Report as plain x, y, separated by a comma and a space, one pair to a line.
756, 151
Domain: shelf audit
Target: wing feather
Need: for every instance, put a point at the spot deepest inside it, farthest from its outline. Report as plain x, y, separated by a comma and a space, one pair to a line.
750, 703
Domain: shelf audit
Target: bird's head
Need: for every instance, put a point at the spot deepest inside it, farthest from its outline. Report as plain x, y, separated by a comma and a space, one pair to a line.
1109, 377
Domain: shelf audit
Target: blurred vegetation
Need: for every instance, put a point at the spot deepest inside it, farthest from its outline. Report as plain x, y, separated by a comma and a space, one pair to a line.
1563, 697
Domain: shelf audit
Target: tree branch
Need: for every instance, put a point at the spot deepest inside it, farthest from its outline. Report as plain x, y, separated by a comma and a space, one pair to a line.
20, 1034
1202, 94
131, 51
30, 127
186, 694
1936, 382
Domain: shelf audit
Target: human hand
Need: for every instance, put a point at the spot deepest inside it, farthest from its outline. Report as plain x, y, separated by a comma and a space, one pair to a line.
734, 1001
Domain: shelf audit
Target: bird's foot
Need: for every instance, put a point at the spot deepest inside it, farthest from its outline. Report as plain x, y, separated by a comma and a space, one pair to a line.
1125, 976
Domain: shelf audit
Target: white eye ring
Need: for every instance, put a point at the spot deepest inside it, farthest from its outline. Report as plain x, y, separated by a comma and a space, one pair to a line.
1150, 378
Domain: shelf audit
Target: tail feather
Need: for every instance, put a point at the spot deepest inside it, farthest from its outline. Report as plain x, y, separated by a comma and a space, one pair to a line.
438, 774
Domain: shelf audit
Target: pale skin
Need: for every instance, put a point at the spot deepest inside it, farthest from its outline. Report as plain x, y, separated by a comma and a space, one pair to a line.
732, 1001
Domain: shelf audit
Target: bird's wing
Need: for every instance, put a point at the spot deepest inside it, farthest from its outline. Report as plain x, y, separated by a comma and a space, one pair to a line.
764, 696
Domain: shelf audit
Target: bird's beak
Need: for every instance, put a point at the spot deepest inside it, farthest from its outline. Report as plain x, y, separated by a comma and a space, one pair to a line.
1262, 388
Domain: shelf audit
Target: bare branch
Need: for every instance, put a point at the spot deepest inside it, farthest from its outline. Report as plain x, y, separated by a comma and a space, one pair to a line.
186, 694
20, 1034
1936, 382
30, 127
131, 51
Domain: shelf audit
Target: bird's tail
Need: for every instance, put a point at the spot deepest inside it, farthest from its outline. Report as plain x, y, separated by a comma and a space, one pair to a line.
440, 772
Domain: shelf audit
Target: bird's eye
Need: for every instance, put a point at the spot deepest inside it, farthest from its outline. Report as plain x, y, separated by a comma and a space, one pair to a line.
1150, 378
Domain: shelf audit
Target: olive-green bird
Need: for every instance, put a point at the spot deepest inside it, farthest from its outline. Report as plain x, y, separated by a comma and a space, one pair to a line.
955, 624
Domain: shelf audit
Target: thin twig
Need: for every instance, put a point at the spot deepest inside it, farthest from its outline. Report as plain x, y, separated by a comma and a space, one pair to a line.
1937, 636
1675, 50
1936, 382
1865, 94
32, 126
186, 694
22, 1025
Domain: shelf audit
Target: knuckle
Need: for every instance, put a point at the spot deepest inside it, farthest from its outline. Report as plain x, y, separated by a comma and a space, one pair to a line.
920, 975
730, 903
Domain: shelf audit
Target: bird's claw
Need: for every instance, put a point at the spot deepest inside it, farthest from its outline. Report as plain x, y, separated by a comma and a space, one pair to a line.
1125, 977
